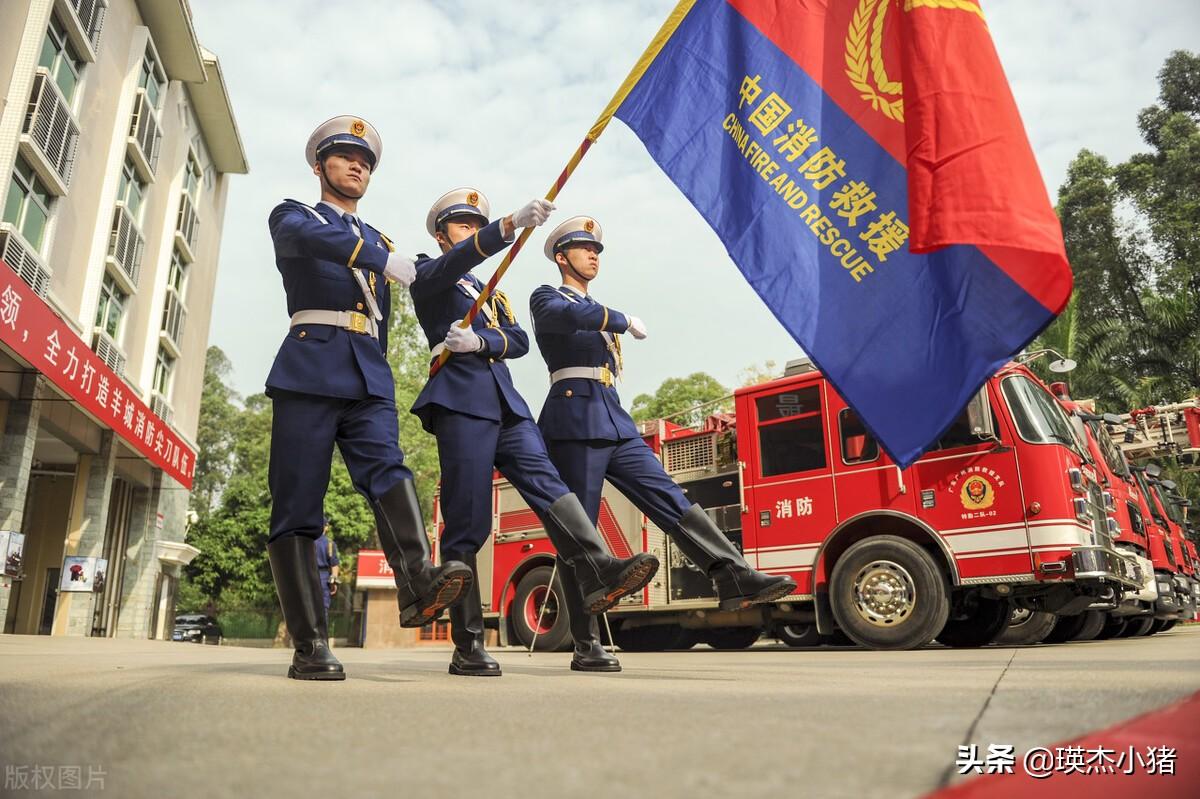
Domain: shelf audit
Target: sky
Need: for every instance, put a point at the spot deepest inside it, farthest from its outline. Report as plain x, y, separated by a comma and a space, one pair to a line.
498, 96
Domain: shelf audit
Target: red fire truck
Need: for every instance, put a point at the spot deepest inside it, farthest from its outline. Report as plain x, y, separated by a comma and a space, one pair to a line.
1005, 510
1136, 614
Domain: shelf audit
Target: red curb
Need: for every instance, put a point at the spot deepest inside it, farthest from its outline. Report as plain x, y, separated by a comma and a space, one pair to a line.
1176, 726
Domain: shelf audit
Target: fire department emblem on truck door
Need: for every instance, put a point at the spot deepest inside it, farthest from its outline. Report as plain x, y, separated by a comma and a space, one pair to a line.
977, 493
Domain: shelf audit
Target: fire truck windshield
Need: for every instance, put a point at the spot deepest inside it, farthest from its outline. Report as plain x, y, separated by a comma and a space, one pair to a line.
1172, 510
1040, 419
1151, 498
1109, 449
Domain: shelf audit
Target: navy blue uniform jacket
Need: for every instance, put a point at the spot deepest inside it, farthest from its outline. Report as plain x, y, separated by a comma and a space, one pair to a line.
569, 334
477, 384
313, 259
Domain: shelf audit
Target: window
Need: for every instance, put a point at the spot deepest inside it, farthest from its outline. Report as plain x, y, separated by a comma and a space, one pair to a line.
152, 79
177, 274
790, 433
858, 445
131, 191
1039, 417
191, 178
164, 368
27, 207
61, 59
111, 310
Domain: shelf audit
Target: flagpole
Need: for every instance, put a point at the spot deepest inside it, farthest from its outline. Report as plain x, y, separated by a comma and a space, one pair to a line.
647, 58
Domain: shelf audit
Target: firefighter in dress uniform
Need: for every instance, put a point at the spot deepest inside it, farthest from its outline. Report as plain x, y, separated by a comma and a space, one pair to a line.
331, 383
482, 423
591, 438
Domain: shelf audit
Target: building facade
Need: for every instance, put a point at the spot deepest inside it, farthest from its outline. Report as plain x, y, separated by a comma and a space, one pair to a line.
117, 140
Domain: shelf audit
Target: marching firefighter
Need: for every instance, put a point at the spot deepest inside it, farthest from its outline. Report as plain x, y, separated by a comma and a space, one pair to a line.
482, 423
331, 383
591, 438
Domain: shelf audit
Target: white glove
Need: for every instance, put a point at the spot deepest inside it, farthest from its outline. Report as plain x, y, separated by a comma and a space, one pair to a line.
637, 328
533, 214
400, 269
463, 339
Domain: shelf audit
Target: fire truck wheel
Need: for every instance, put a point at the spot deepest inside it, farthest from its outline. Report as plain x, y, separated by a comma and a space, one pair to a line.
1090, 627
730, 637
653, 638
798, 635
1167, 625
554, 634
1027, 627
1114, 627
1138, 627
976, 622
888, 593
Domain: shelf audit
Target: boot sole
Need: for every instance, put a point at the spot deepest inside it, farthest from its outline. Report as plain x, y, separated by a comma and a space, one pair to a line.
768, 594
610, 669
634, 579
455, 670
320, 676
446, 593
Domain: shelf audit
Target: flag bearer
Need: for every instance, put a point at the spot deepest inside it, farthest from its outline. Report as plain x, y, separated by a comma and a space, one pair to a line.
481, 422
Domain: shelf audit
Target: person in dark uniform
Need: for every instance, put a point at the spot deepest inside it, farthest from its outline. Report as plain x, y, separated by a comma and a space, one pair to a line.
328, 565
482, 423
591, 438
331, 383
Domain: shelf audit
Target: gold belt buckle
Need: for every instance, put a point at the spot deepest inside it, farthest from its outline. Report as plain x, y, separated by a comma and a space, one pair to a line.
606, 377
358, 322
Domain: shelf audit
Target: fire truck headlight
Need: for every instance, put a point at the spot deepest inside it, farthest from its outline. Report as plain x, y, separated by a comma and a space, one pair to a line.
1075, 476
1113, 528
1109, 504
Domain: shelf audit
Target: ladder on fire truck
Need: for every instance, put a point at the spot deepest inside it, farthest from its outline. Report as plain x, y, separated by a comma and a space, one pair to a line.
1163, 431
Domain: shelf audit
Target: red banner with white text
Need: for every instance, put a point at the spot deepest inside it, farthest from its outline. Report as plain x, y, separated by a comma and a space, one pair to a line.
33, 332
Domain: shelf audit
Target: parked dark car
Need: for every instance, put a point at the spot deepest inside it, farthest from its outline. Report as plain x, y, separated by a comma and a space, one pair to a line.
197, 628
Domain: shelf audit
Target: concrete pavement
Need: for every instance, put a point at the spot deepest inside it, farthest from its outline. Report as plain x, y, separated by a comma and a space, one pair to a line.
162, 718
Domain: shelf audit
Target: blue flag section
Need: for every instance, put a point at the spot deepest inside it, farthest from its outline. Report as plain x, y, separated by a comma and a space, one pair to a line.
813, 211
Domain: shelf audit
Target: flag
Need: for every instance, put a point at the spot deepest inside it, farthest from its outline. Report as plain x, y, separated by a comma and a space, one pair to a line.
865, 166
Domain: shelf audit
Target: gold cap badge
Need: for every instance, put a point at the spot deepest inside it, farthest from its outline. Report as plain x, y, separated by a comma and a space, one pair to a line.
589, 226
358, 128
473, 198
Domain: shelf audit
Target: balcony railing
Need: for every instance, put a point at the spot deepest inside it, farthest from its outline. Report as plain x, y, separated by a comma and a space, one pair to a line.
174, 316
125, 245
145, 136
17, 253
186, 227
108, 351
51, 127
161, 408
83, 23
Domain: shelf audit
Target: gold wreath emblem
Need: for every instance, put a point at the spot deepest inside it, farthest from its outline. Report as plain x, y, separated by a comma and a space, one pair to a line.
977, 493
589, 226
358, 128
864, 51
473, 198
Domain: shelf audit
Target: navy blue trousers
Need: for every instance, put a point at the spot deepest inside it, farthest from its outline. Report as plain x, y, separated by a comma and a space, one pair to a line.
631, 467
469, 448
304, 428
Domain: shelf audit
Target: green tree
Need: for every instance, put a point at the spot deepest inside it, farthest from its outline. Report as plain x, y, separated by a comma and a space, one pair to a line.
679, 398
408, 354
214, 435
1132, 236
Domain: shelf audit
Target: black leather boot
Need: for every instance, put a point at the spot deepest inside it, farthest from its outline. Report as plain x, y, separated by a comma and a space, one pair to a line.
738, 585
294, 566
470, 658
589, 655
603, 579
423, 590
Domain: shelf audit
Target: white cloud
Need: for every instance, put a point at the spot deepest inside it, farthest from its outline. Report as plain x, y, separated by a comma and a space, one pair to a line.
498, 95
